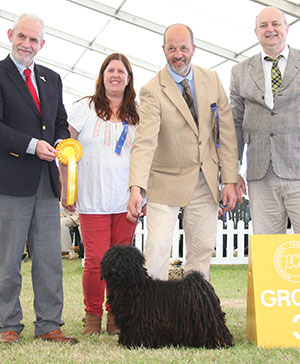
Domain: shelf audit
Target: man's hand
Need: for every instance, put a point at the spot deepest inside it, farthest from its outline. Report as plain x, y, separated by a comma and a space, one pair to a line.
241, 189
220, 211
229, 196
134, 207
45, 151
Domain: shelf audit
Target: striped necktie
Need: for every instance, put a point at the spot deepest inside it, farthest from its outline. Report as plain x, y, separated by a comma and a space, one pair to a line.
275, 73
189, 98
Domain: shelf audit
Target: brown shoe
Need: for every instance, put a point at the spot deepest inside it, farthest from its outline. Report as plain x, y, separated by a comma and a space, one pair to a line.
9, 337
57, 336
92, 324
111, 326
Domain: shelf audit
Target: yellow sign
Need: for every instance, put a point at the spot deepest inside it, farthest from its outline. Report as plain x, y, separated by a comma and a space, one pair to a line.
273, 304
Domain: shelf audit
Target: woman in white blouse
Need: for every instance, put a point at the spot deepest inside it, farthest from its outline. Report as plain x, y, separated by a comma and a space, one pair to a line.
104, 124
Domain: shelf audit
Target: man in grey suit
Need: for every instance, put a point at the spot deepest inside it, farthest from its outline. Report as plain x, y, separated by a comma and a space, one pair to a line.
265, 99
32, 120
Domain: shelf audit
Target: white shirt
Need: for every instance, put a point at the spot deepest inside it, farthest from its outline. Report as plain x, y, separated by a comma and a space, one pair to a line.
267, 67
103, 175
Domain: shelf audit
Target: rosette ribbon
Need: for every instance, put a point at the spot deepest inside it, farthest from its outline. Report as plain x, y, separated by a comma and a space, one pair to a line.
69, 152
216, 115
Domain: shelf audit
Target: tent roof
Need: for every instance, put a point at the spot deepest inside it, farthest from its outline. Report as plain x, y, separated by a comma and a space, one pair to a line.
81, 33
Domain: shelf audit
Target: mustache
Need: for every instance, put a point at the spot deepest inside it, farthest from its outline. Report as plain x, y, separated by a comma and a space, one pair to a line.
24, 49
175, 59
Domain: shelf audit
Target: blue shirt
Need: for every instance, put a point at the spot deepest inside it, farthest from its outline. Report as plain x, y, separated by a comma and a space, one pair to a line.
190, 77
21, 68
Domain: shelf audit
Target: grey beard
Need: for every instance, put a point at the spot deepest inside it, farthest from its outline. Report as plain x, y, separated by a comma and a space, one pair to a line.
182, 72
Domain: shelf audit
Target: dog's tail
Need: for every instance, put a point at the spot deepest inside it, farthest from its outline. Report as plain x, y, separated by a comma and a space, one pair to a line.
201, 309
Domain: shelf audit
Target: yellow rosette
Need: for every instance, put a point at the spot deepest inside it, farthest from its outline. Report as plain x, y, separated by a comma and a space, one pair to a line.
69, 151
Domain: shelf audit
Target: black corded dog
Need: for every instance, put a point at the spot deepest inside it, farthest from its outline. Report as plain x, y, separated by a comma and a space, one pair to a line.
154, 313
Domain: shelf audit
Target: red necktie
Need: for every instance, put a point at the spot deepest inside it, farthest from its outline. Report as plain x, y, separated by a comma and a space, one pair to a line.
32, 90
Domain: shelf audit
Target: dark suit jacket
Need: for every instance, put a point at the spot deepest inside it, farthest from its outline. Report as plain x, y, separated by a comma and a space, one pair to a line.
20, 121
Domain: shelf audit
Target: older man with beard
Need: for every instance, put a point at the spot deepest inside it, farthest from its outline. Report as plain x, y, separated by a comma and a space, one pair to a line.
32, 120
185, 138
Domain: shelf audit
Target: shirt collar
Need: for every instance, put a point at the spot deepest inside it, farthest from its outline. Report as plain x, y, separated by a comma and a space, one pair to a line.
285, 54
177, 78
21, 68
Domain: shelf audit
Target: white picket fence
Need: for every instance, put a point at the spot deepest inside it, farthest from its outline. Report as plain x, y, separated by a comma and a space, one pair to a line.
231, 243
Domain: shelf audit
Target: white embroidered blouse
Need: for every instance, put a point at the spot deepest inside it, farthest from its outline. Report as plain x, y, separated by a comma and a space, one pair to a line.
103, 175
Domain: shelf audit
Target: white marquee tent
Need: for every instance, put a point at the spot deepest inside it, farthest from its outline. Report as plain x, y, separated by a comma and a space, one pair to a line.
81, 33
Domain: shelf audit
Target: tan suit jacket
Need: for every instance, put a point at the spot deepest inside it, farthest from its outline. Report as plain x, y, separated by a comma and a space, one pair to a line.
169, 151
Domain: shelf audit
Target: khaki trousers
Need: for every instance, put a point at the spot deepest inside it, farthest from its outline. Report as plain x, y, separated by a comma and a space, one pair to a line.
272, 200
66, 222
200, 227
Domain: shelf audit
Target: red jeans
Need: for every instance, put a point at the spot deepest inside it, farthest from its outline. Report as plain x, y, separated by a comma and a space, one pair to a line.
99, 233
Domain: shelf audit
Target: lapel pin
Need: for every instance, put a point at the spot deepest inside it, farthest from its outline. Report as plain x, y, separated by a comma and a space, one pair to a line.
43, 78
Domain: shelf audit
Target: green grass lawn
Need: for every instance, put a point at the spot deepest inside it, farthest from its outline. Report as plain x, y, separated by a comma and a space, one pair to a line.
230, 283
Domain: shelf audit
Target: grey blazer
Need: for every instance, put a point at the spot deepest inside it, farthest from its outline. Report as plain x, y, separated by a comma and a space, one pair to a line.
271, 135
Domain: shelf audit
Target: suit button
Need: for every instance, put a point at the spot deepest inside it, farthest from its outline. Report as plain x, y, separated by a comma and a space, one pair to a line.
272, 134
273, 113
200, 142
43, 127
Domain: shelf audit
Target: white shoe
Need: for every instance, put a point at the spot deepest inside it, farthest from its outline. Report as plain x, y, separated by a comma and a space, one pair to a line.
72, 255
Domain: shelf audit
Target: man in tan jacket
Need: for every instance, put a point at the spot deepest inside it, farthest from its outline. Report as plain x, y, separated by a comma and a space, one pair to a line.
177, 158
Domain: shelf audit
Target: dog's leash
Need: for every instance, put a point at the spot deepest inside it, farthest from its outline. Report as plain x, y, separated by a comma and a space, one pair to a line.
135, 224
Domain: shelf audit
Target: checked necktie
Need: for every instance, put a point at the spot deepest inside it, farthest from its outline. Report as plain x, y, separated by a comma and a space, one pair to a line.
32, 89
275, 73
189, 98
